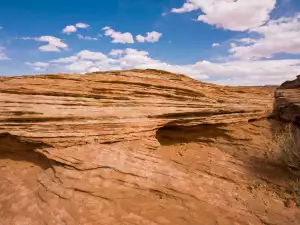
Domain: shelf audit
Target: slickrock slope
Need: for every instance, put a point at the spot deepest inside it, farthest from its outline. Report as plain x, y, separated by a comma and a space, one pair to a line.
137, 147
287, 105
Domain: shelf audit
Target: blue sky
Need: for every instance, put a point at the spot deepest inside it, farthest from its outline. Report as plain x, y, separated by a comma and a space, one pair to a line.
223, 41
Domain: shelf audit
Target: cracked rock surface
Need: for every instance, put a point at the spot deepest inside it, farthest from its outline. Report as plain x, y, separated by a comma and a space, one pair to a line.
138, 147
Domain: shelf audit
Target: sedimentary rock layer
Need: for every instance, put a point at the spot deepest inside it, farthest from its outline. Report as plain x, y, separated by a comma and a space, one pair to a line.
137, 147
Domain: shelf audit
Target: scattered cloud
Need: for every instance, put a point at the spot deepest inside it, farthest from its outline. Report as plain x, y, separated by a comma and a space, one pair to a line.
2, 54
215, 45
237, 72
88, 55
54, 44
118, 37
87, 38
38, 66
244, 72
69, 29
187, 7
65, 60
73, 28
231, 14
150, 37
276, 36
116, 52
82, 25
246, 40
82, 55
1, 28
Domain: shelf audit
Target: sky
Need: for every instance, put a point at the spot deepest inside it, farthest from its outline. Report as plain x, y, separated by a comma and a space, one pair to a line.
228, 42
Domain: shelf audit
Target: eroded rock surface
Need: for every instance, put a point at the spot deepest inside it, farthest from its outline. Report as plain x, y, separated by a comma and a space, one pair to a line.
287, 104
137, 147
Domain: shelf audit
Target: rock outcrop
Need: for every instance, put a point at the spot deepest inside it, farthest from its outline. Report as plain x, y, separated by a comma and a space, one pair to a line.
137, 147
291, 84
287, 103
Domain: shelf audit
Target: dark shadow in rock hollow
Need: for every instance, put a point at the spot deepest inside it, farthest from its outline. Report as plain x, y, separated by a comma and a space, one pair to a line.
14, 148
172, 134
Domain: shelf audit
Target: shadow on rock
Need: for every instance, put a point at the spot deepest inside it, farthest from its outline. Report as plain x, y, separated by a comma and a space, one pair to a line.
170, 134
16, 149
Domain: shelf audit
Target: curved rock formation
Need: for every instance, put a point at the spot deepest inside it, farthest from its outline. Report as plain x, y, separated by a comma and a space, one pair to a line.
287, 103
137, 147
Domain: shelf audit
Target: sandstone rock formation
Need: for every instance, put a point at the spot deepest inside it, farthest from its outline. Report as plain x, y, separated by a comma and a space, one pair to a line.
291, 84
287, 104
137, 147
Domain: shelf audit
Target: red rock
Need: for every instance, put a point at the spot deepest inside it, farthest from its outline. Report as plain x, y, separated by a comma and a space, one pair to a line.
101, 149
287, 101
291, 203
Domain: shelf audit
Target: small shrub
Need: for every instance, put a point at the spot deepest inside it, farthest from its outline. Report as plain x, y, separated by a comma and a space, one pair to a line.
288, 140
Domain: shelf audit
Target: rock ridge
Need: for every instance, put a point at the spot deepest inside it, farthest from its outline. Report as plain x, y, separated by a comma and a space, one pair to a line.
137, 147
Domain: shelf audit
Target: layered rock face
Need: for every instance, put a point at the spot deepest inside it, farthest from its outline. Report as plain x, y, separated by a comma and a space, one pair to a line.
287, 104
137, 147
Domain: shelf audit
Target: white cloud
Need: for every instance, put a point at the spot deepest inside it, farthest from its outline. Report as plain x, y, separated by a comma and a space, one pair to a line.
73, 28
237, 72
187, 7
116, 52
88, 55
82, 25
150, 37
215, 45
87, 38
250, 72
247, 40
1, 27
65, 60
235, 15
27, 38
54, 44
277, 36
2, 54
80, 66
38, 66
84, 55
118, 37
69, 29
49, 48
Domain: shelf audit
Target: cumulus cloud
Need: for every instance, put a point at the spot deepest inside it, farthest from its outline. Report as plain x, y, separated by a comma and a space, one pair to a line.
234, 15
73, 28
38, 66
2, 54
249, 72
276, 36
80, 66
118, 37
150, 37
54, 44
215, 45
116, 52
65, 60
187, 7
88, 55
69, 29
87, 38
236, 72
82, 25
